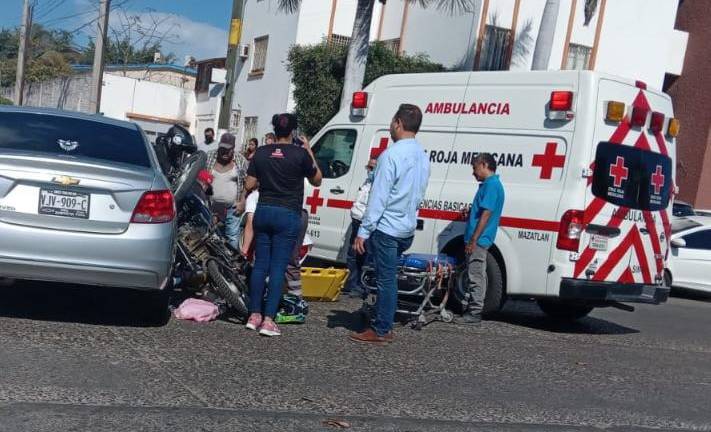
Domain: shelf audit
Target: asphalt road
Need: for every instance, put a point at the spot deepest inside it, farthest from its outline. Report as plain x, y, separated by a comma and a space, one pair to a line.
80, 359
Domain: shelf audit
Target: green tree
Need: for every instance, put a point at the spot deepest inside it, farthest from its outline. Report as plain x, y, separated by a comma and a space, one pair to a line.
358, 48
4, 101
318, 73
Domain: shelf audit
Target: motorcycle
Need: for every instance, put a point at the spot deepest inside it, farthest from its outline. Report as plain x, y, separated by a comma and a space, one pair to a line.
204, 262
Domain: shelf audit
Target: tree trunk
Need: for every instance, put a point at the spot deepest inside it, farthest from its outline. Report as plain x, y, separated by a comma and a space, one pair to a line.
357, 51
544, 42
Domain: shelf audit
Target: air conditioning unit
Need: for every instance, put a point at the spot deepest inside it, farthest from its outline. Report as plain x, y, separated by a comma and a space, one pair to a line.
243, 51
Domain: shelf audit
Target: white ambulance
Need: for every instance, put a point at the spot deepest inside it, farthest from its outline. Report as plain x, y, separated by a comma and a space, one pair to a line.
587, 161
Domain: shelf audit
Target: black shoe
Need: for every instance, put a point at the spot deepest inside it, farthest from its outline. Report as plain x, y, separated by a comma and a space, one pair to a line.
471, 318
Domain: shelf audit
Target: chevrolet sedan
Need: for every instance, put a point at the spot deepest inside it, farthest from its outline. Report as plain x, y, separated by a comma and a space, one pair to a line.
82, 200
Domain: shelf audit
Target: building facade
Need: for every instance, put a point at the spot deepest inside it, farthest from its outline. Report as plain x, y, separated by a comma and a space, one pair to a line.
627, 38
691, 96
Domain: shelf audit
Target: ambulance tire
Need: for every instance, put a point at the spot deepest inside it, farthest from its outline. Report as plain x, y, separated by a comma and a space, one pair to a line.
494, 299
563, 311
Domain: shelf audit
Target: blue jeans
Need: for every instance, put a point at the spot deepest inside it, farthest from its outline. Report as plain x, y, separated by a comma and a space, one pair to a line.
275, 232
386, 250
232, 227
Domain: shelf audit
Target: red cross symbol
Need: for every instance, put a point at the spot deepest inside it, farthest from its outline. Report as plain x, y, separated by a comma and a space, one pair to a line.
549, 160
658, 180
619, 171
382, 146
314, 201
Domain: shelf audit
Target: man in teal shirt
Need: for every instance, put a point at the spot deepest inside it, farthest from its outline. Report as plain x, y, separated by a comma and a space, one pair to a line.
484, 217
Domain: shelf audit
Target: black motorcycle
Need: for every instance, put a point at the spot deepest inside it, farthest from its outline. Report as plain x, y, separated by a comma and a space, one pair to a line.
204, 261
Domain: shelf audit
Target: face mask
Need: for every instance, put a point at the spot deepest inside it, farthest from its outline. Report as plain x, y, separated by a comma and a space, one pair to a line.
209, 139
371, 176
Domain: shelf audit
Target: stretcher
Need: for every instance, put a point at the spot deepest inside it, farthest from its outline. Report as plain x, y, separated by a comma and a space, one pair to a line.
424, 283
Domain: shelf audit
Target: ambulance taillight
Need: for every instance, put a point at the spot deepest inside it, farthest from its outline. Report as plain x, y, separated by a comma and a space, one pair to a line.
359, 104
560, 106
656, 124
673, 129
615, 111
571, 228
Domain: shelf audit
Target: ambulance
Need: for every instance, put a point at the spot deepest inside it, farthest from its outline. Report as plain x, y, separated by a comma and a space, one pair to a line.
587, 161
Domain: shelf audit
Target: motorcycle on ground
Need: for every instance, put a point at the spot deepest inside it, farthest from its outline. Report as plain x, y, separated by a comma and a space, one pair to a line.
204, 262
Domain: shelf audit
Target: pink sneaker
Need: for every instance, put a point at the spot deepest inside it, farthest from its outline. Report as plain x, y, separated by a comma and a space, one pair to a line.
254, 321
269, 328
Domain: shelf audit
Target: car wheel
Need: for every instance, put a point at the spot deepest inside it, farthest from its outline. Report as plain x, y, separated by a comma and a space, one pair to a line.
563, 311
667, 279
155, 307
494, 299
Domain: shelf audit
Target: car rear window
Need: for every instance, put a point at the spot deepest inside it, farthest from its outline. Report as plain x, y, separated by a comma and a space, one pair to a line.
72, 137
631, 177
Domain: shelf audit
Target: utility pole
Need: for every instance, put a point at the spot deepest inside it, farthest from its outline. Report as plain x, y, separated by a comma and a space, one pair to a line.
98, 69
25, 31
232, 48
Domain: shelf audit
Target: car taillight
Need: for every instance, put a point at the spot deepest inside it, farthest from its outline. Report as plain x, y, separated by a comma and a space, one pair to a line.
154, 207
615, 111
674, 126
571, 228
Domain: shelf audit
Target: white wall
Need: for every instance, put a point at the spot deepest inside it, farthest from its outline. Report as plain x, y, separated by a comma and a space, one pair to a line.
263, 96
447, 39
345, 15
122, 95
392, 21
314, 17
644, 47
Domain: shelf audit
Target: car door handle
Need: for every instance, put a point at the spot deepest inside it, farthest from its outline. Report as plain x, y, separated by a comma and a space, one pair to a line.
337, 190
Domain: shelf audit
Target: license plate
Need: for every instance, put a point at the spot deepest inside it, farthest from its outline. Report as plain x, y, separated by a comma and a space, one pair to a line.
57, 202
598, 242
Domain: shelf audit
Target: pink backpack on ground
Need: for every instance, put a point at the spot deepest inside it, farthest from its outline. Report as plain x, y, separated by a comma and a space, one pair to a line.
197, 310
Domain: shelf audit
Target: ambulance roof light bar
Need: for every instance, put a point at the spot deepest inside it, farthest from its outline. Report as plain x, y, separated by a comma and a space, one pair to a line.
560, 105
359, 104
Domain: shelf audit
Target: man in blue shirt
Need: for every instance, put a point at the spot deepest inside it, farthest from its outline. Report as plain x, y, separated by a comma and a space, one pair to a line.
480, 233
391, 216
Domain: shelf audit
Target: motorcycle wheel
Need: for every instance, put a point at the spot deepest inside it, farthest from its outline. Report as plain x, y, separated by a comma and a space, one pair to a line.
228, 288
189, 172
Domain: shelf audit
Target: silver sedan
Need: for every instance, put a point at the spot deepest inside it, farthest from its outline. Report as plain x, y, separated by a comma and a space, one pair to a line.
82, 200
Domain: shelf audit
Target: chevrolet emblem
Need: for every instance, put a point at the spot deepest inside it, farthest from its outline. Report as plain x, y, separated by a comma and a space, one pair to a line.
65, 181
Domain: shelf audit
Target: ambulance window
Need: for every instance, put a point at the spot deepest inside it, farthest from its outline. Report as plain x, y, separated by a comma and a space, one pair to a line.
334, 152
631, 177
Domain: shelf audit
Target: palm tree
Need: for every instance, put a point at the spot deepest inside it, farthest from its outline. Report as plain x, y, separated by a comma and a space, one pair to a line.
544, 42
360, 38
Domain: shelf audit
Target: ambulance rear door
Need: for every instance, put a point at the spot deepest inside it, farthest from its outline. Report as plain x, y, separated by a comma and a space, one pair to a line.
625, 218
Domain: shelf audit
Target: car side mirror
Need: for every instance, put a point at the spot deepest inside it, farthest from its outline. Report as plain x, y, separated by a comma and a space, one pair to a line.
678, 242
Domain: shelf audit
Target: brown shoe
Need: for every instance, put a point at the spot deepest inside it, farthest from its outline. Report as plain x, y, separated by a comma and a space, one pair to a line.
367, 336
389, 337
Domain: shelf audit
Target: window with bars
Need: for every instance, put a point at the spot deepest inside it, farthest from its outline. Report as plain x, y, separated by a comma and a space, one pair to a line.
250, 128
578, 57
259, 61
337, 40
393, 45
495, 49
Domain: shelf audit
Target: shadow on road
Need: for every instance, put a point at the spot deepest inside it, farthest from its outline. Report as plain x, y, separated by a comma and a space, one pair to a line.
80, 304
349, 320
527, 314
691, 295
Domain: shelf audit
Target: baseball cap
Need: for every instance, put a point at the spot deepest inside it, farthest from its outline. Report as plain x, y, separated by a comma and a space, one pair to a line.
227, 140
